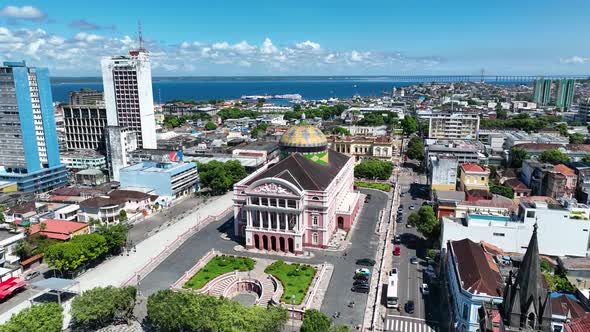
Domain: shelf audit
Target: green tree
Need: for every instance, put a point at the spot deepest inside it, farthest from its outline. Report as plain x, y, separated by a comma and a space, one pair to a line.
336, 130
501, 114
373, 169
562, 128
409, 125
183, 311
517, 156
115, 235
23, 249
415, 148
210, 126
93, 245
47, 317
577, 138
339, 328
69, 256
315, 321
99, 307
2, 216
123, 215
425, 221
502, 190
586, 158
554, 156
220, 177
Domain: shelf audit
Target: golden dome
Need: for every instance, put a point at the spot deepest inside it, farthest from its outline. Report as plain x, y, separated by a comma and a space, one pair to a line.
303, 136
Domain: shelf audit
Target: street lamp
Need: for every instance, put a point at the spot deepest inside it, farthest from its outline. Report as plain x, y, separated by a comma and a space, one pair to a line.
293, 312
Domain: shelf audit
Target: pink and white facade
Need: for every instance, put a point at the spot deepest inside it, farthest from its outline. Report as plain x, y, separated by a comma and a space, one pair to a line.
296, 203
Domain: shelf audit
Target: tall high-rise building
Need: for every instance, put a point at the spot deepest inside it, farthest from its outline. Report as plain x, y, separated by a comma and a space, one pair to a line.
584, 111
29, 152
565, 93
542, 92
128, 96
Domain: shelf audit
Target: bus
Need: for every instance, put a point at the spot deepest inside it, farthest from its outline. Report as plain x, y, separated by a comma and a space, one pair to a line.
392, 300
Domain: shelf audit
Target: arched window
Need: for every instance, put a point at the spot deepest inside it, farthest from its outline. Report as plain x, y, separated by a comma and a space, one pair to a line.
315, 198
314, 238
531, 320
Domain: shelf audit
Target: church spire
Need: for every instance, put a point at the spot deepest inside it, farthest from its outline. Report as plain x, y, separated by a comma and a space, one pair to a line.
526, 299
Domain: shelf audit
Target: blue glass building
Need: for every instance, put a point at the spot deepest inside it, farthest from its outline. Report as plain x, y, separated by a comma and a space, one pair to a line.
29, 152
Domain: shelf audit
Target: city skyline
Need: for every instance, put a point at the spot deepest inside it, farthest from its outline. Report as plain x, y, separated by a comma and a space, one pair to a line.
336, 38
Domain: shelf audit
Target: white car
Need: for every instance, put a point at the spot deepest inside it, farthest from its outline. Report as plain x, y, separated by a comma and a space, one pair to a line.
363, 271
412, 207
425, 290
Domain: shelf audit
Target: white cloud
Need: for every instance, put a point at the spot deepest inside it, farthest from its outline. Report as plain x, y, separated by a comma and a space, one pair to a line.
87, 37
267, 47
307, 45
80, 54
24, 12
577, 60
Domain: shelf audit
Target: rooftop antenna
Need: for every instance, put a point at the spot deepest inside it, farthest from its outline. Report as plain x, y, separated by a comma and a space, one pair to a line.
483, 71
140, 36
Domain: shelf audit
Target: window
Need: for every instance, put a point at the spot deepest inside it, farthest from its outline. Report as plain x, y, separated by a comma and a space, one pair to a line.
465, 311
530, 214
314, 220
483, 178
499, 234
264, 201
314, 238
254, 200
315, 198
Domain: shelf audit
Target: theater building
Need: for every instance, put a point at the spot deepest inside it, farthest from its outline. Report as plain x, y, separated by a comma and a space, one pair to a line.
300, 201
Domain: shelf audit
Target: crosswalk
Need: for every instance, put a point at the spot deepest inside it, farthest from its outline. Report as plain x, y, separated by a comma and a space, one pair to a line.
405, 324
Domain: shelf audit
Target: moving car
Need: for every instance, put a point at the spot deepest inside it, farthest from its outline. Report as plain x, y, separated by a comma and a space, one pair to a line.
412, 207
363, 271
366, 262
414, 260
409, 307
425, 290
360, 288
396, 251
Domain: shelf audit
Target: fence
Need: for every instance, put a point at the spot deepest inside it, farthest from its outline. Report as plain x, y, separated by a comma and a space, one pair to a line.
170, 248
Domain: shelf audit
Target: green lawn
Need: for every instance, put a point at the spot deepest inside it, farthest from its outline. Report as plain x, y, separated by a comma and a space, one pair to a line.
295, 278
379, 186
218, 266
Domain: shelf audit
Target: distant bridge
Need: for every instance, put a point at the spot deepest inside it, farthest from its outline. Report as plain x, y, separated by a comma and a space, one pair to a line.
479, 78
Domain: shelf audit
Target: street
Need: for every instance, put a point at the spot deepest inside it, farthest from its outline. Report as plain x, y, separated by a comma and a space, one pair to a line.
425, 316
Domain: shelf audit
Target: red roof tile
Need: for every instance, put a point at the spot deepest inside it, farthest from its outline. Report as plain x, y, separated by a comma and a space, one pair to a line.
474, 168
58, 227
561, 168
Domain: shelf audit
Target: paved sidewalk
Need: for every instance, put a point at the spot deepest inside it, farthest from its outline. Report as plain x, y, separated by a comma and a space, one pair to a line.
119, 269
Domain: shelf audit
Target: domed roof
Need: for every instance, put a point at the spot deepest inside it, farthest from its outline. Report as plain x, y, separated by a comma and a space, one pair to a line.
303, 136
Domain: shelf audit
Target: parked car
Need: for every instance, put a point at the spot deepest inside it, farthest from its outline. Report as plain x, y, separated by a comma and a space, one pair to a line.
414, 260
408, 225
32, 275
360, 288
397, 251
366, 262
364, 271
409, 307
361, 277
360, 282
425, 290
412, 207
397, 239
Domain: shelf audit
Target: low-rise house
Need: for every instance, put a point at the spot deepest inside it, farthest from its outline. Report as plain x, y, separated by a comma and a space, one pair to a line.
564, 308
8, 241
57, 229
474, 279
473, 176
520, 189
442, 173
25, 211
68, 212
103, 209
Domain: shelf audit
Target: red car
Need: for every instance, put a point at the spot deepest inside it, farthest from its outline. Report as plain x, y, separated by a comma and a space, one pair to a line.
396, 251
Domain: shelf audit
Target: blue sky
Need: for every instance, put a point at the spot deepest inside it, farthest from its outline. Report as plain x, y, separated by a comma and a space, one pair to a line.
321, 37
